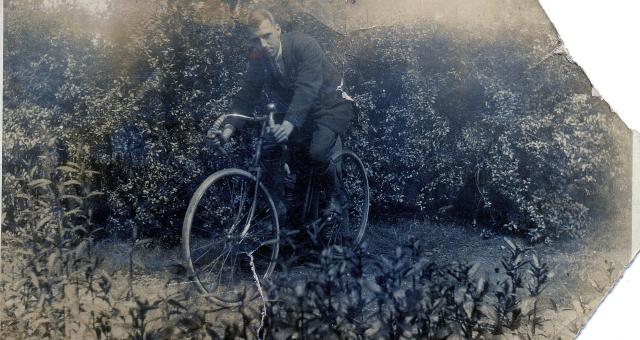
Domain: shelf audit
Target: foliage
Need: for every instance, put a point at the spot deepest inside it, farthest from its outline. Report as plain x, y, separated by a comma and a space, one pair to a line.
497, 132
49, 263
484, 129
54, 286
357, 295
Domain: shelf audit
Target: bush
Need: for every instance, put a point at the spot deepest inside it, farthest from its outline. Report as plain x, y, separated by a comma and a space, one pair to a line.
496, 132
54, 286
49, 264
357, 295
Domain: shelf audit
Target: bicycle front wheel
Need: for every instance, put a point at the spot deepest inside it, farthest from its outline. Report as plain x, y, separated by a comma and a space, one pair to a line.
230, 236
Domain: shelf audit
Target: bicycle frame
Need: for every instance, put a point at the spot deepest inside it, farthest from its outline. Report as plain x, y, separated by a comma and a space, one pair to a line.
238, 216
255, 162
256, 169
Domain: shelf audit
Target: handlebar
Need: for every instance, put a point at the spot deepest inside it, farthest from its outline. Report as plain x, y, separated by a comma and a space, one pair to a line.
249, 118
216, 128
272, 111
218, 123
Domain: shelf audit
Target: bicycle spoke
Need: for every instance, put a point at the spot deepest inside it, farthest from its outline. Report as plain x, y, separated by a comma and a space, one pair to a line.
203, 229
258, 234
210, 244
222, 267
262, 219
258, 230
229, 207
242, 199
205, 277
203, 254
233, 269
213, 262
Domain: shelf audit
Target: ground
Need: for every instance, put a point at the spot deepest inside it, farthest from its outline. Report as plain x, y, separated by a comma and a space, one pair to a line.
582, 269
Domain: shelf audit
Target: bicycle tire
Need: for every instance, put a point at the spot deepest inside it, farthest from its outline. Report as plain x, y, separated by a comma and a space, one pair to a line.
349, 232
218, 223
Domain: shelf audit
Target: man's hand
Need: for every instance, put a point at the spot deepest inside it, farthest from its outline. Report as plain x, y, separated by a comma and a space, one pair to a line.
218, 137
282, 131
227, 132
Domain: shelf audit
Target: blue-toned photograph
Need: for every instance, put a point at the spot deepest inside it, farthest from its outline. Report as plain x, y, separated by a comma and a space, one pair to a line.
304, 169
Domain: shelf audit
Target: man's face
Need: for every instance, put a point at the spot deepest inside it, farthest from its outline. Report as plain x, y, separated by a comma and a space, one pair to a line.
267, 37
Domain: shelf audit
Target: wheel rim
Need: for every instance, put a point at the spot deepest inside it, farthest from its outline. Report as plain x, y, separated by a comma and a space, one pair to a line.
217, 243
349, 230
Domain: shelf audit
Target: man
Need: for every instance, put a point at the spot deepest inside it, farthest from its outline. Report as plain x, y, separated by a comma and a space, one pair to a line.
296, 74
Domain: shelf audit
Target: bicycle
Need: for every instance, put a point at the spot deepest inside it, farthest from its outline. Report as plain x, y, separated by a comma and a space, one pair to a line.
231, 231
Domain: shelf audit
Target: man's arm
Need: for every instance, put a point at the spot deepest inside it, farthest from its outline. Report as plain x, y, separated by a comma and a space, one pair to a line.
308, 81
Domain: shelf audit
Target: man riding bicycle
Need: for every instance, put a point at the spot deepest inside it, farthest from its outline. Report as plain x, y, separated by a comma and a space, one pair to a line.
298, 77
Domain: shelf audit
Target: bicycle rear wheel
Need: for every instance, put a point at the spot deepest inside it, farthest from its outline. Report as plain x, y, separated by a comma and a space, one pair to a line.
349, 230
230, 235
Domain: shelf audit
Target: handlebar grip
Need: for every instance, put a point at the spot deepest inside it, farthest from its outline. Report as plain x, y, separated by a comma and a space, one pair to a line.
216, 143
215, 132
218, 123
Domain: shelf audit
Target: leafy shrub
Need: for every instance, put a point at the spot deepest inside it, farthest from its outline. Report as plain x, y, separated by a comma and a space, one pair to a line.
357, 295
474, 126
49, 262
499, 132
53, 286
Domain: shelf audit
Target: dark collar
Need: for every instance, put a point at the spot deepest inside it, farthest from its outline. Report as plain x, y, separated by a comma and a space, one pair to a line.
287, 50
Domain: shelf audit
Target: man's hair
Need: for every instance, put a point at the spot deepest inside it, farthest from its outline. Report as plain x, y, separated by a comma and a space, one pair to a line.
256, 17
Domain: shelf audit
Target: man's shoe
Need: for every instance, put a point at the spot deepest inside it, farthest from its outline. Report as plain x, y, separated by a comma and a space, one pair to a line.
336, 194
335, 208
281, 209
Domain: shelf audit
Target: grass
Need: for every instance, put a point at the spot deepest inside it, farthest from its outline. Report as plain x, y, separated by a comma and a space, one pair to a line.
160, 306
412, 279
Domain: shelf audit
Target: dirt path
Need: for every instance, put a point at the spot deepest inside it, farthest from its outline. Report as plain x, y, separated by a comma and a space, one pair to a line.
574, 263
582, 269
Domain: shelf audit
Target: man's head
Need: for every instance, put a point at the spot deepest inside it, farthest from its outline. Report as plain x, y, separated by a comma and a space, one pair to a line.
264, 32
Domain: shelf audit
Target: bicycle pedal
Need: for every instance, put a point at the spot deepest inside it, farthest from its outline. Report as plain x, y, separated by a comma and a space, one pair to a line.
333, 217
313, 223
287, 233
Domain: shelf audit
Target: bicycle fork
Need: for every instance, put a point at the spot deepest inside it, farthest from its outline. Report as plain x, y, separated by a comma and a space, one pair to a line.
255, 165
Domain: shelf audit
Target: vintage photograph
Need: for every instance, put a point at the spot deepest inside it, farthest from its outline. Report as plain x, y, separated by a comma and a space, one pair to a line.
303, 169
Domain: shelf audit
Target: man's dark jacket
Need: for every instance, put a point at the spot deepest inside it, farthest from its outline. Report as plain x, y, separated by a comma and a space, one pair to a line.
307, 87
